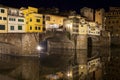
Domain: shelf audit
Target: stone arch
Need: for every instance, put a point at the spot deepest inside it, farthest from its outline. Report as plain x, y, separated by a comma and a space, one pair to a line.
89, 45
90, 42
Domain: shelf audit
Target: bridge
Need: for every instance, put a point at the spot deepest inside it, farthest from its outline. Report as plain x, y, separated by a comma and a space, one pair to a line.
6, 48
24, 44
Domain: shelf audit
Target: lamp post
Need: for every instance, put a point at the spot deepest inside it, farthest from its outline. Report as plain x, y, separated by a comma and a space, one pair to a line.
69, 75
39, 48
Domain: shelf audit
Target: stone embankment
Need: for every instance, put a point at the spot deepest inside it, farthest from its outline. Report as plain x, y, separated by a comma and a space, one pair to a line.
5, 78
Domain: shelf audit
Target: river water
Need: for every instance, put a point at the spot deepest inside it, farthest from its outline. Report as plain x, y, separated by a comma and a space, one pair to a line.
55, 65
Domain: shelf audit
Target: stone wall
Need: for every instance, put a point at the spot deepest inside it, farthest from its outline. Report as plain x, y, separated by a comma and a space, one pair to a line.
25, 43
14, 40
80, 41
59, 41
6, 48
103, 40
29, 44
60, 45
95, 40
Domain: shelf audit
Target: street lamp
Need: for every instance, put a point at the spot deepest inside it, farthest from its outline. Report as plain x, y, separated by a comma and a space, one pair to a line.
69, 75
81, 67
39, 48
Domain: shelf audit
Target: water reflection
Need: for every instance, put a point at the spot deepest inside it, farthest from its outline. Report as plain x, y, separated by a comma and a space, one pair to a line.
58, 64
112, 66
20, 68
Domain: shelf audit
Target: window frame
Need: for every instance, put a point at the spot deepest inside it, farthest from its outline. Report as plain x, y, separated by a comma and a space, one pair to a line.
12, 28
2, 11
19, 27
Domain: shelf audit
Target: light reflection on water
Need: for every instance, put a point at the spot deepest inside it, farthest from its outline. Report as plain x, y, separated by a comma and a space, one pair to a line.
55, 62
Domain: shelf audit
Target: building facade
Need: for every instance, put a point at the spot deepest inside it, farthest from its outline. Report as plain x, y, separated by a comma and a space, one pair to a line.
112, 21
94, 28
3, 19
16, 22
52, 21
88, 13
76, 25
34, 21
99, 16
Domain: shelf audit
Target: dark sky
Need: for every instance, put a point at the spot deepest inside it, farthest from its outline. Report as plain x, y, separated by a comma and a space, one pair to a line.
62, 4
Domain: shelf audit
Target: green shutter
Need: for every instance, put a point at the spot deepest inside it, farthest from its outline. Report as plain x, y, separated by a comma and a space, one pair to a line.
19, 27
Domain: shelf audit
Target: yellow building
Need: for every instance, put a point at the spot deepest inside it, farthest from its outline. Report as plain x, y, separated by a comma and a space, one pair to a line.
34, 21
3, 19
53, 21
99, 16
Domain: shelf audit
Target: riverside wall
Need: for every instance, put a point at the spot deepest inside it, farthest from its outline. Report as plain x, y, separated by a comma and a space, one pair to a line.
79, 41
23, 44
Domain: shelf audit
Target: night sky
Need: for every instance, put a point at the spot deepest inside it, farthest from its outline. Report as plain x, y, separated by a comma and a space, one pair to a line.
62, 4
